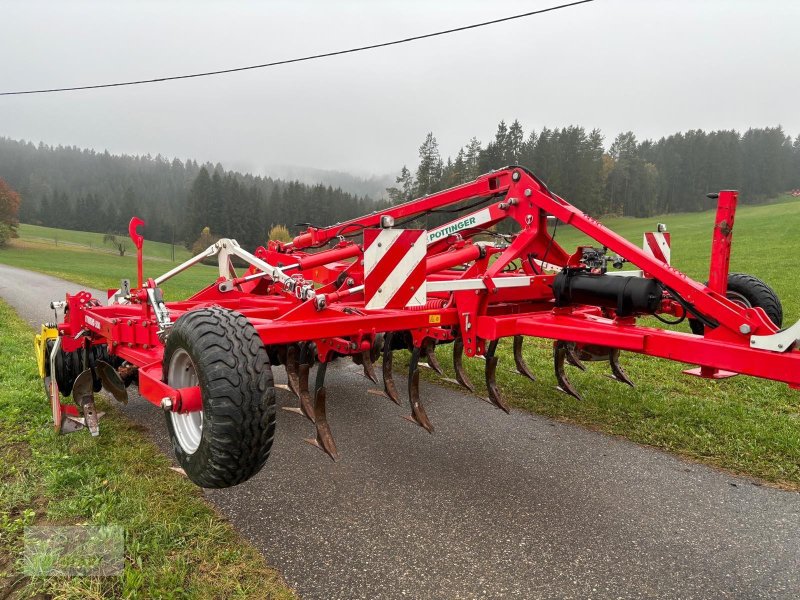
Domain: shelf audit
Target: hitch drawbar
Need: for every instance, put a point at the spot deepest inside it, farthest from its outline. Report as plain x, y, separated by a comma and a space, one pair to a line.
368, 288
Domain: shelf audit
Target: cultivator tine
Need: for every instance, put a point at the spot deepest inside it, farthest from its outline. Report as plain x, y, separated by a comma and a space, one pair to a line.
430, 355
491, 382
388, 380
83, 394
369, 369
292, 372
418, 414
572, 355
377, 348
519, 360
111, 381
458, 364
596, 353
561, 352
617, 372
324, 440
305, 409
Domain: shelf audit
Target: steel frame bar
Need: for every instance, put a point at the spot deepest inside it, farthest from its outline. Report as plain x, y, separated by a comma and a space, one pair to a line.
478, 291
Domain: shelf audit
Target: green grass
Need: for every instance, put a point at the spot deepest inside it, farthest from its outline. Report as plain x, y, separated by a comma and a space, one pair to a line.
99, 269
764, 241
742, 424
94, 241
176, 545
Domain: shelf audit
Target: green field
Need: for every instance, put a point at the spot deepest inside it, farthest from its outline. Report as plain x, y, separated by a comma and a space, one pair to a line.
176, 545
101, 270
743, 424
763, 242
94, 241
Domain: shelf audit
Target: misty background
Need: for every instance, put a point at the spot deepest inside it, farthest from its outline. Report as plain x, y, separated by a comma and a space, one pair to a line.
650, 67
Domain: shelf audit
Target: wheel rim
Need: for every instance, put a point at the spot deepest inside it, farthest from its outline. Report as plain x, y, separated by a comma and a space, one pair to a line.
737, 298
188, 427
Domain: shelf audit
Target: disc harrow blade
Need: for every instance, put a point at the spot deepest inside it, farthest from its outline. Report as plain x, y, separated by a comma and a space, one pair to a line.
519, 360
83, 393
111, 381
458, 364
418, 414
560, 354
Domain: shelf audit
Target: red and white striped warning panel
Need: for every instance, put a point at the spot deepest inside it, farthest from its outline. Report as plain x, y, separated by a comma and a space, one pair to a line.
394, 267
657, 245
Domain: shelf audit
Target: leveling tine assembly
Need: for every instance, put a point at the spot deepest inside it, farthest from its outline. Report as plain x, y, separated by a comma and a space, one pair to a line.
369, 287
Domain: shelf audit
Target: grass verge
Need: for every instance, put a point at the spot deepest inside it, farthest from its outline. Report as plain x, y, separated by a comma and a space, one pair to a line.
53, 236
99, 269
176, 545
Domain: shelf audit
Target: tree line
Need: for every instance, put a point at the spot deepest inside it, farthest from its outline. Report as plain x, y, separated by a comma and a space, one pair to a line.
9, 212
72, 188
635, 178
245, 212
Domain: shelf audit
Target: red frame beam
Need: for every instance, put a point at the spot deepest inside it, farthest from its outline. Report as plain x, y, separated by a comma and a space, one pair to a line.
483, 312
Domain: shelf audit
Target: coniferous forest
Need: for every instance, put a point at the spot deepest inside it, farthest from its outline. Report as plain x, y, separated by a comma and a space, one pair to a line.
632, 177
86, 190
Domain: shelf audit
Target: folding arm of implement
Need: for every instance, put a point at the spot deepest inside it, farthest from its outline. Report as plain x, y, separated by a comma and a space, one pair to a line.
369, 287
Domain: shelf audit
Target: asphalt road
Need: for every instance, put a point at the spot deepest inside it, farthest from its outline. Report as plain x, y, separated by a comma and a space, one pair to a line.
490, 506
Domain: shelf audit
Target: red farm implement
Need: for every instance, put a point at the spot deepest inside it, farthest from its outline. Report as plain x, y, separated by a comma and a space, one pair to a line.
369, 287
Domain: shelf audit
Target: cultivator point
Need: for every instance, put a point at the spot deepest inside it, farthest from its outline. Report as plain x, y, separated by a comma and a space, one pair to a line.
368, 288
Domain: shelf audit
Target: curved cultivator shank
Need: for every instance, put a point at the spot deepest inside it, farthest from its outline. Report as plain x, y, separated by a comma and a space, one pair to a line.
458, 365
367, 289
519, 360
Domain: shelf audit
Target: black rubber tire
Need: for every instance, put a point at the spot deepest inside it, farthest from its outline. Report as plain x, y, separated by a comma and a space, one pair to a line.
756, 292
67, 371
238, 394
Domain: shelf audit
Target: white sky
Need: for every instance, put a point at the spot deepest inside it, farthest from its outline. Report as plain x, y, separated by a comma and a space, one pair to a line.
653, 67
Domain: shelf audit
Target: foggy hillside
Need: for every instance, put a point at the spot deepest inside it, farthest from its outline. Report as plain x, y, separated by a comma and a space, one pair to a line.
373, 186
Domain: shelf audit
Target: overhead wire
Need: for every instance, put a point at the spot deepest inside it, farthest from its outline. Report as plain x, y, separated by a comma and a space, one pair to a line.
297, 59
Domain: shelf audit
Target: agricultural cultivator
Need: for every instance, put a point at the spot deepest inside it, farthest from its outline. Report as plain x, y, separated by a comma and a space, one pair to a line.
369, 287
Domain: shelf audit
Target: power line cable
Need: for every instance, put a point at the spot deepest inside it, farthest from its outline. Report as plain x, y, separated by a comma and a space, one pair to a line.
299, 59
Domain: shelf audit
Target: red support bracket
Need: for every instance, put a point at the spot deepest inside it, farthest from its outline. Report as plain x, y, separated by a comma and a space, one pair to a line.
721, 242
138, 241
153, 389
720, 264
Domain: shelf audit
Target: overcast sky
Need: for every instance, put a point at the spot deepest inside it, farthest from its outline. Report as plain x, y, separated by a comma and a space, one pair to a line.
653, 67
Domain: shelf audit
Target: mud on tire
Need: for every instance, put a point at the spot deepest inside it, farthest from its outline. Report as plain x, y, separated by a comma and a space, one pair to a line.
234, 374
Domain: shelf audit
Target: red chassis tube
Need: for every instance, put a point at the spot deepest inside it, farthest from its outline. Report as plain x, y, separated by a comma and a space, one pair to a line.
482, 292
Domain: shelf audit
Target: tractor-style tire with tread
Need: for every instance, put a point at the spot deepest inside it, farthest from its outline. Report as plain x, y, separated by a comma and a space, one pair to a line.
235, 379
754, 292
67, 370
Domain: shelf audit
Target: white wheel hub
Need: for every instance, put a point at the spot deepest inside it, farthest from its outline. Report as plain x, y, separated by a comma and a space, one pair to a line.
188, 427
